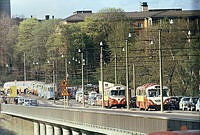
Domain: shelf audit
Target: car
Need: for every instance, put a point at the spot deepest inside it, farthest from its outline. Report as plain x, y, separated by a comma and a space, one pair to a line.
20, 100
98, 99
78, 95
33, 102
27, 102
133, 102
174, 103
179, 132
92, 100
198, 105
183, 103
191, 105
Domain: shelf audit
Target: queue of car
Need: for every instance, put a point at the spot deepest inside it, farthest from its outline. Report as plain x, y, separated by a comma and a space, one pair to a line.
176, 102
25, 101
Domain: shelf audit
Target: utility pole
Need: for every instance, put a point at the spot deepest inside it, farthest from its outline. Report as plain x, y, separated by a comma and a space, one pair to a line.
102, 80
54, 80
115, 68
83, 79
66, 77
24, 66
82, 65
161, 72
134, 80
127, 74
127, 80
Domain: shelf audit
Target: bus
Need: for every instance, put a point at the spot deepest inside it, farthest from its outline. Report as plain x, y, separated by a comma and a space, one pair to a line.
115, 96
148, 96
22, 86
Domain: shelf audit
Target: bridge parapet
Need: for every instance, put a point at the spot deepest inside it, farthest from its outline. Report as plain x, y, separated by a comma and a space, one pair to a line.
98, 120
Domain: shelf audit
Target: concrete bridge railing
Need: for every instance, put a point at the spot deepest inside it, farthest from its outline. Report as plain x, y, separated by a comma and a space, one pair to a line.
99, 121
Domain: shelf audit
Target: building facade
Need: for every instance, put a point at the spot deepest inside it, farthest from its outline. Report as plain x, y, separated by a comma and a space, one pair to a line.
146, 17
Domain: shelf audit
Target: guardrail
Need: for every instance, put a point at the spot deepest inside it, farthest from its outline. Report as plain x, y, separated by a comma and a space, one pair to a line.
98, 121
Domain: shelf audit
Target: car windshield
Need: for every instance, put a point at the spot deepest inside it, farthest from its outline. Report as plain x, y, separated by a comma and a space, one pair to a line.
186, 99
118, 92
133, 98
26, 100
33, 101
21, 99
156, 92
194, 100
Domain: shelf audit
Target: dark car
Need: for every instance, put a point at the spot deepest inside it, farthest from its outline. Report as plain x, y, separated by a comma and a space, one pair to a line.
133, 102
174, 103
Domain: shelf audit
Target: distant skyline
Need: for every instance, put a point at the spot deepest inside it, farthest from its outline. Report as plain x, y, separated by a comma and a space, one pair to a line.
65, 8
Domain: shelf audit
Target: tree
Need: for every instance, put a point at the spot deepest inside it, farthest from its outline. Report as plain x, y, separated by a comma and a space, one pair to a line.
8, 34
178, 71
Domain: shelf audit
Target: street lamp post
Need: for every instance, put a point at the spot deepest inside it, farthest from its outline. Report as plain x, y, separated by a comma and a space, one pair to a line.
24, 66
36, 63
82, 65
127, 75
161, 73
66, 77
54, 80
102, 81
115, 69
134, 80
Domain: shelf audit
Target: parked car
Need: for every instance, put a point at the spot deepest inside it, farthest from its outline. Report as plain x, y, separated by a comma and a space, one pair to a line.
183, 103
198, 105
133, 102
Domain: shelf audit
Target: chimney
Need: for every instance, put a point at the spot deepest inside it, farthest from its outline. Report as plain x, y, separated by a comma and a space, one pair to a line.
144, 6
46, 17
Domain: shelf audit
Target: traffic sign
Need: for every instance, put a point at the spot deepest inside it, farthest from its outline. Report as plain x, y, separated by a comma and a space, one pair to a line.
64, 84
65, 92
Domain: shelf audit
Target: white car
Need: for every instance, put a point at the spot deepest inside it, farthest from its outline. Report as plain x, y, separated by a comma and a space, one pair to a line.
183, 103
78, 95
20, 100
198, 105
33, 102
27, 102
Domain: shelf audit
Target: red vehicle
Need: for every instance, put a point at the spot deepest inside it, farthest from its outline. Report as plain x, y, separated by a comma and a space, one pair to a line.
115, 96
181, 132
148, 96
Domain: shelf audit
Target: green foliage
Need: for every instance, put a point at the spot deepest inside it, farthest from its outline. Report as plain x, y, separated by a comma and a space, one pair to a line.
49, 40
180, 59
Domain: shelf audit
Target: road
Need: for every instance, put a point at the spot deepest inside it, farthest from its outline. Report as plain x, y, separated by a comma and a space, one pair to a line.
73, 105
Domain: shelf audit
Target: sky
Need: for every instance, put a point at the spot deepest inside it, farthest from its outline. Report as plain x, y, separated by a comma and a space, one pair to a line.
65, 8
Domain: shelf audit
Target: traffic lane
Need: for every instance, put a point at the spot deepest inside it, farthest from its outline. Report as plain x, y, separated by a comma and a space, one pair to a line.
132, 112
148, 114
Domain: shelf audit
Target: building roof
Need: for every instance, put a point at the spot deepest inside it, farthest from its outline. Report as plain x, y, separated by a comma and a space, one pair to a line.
80, 17
156, 13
